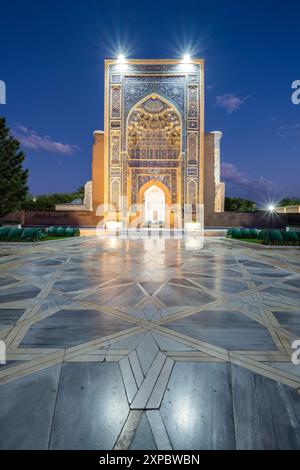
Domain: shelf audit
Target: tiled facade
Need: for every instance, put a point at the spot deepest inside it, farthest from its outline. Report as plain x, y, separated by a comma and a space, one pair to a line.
154, 132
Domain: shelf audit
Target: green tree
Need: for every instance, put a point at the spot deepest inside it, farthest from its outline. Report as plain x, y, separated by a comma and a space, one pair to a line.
46, 202
13, 178
289, 201
238, 204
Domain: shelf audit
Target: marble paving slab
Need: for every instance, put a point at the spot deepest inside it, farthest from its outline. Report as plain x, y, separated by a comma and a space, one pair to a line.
148, 344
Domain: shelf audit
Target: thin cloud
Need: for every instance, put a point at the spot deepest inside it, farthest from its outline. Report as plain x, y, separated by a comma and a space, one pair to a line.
22, 128
242, 184
230, 102
232, 174
30, 139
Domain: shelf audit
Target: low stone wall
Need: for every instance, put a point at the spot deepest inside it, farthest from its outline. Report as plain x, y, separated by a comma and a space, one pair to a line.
62, 218
18, 216
251, 220
48, 218
294, 219
212, 220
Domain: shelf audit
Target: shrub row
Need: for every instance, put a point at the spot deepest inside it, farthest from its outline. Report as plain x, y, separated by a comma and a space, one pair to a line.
62, 232
268, 237
242, 233
19, 234
35, 234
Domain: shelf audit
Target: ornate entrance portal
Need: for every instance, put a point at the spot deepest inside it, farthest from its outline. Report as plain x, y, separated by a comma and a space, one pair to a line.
154, 206
154, 154
154, 132
154, 137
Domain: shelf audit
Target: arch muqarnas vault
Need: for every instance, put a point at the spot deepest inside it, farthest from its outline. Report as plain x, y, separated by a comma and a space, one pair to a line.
154, 136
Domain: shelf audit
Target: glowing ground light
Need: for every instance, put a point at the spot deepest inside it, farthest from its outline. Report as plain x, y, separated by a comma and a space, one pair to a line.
271, 208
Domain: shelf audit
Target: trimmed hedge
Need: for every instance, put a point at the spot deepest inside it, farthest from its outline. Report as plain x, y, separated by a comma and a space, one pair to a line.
63, 232
268, 237
35, 234
4, 232
245, 233
290, 236
70, 232
273, 237
262, 234
242, 233
14, 234
253, 233
52, 231
236, 233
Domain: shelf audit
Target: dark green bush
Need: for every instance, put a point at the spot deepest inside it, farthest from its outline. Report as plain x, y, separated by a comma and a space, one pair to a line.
70, 232
236, 233
273, 237
61, 232
245, 233
267, 236
253, 233
29, 233
15, 234
52, 231
262, 234
4, 231
42, 235
290, 236
33, 234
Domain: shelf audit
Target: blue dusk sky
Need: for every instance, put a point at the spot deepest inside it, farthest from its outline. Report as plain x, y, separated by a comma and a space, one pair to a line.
51, 59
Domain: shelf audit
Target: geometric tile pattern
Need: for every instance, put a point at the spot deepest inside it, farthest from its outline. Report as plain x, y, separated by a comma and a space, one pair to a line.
147, 344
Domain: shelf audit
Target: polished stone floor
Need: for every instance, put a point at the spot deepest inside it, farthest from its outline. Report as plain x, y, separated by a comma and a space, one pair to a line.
149, 344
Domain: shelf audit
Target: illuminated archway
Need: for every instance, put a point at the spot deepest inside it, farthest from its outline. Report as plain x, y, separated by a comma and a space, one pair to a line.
153, 139
156, 196
154, 205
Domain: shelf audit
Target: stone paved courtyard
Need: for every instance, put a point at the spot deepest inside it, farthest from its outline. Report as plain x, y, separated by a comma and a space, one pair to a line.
148, 345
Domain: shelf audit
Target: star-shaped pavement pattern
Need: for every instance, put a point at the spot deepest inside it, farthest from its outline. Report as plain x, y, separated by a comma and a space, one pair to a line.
148, 345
